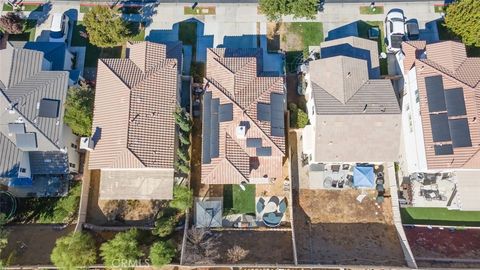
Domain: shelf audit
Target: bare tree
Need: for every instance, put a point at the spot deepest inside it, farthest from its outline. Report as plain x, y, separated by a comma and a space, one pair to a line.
11, 23
202, 246
236, 253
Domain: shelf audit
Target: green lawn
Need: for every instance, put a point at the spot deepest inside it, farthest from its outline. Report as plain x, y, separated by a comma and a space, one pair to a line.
199, 11
237, 201
439, 8
362, 27
28, 34
439, 216
311, 33
85, 9
369, 11
25, 7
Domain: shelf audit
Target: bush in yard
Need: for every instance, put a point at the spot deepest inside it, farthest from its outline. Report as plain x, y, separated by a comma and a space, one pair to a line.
105, 27
184, 139
302, 118
182, 167
65, 208
182, 198
3, 232
182, 153
123, 247
161, 253
183, 120
165, 225
74, 250
12, 23
236, 253
79, 109
275, 9
463, 19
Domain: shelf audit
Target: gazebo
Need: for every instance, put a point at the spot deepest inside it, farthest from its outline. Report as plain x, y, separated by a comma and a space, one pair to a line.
363, 177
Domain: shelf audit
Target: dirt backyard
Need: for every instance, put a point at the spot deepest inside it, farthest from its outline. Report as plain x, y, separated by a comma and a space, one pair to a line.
332, 227
277, 38
32, 244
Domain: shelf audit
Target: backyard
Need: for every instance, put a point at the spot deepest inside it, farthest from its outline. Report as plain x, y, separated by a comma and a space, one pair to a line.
238, 201
439, 216
332, 227
28, 33
363, 27
300, 36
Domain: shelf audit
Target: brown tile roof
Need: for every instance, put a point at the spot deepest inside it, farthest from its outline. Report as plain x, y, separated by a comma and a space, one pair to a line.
448, 59
234, 79
134, 104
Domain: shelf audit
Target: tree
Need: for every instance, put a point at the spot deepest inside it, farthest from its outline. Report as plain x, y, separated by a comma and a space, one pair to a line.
12, 23
275, 9
79, 109
161, 253
182, 198
73, 251
201, 247
184, 139
181, 167
183, 154
3, 232
105, 27
236, 253
165, 225
122, 248
303, 8
462, 18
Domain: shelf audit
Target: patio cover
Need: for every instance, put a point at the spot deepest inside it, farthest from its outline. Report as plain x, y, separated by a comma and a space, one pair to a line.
468, 188
136, 184
208, 214
363, 177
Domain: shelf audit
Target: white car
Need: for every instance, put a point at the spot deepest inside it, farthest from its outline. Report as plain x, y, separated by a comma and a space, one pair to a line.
394, 30
59, 28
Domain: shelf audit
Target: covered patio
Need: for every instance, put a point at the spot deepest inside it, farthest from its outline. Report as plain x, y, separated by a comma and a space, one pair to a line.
345, 175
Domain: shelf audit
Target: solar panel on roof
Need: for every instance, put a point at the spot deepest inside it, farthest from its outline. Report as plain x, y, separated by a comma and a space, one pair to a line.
277, 104
206, 130
460, 132
435, 94
225, 112
214, 135
263, 111
264, 151
49, 108
254, 142
445, 149
16, 128
455, 102
440, 128
26, 141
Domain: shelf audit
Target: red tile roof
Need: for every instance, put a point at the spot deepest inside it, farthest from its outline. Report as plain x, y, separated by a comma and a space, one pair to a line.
134, 104
449, 60
234, 77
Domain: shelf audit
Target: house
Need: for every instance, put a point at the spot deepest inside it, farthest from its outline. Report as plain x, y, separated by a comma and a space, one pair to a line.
441, 131
354, 116
57, 57
37, 150
133, 125
243, 134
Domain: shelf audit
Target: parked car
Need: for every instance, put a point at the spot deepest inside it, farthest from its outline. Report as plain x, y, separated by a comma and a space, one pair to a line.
412, 30
394, 30
59, 28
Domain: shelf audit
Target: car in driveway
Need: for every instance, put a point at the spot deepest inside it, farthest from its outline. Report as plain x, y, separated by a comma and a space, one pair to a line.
412, 31
59, 28
394, 30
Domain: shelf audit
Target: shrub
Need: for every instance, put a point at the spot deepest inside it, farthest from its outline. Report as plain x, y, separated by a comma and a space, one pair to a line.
12, 23
74, 250
105, 27
182, 198
122, 248
165, 225
79, 109
161, 253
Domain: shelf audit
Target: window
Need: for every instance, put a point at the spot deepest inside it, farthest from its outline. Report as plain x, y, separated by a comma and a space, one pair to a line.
72, 165
23, 170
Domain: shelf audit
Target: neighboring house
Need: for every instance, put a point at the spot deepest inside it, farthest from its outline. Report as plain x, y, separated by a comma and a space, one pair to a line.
57, 57
354, 116
36, 151
133, 125
441, 126
243, 134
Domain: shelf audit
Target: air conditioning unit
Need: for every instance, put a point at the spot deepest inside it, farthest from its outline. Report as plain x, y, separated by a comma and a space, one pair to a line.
86, 143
